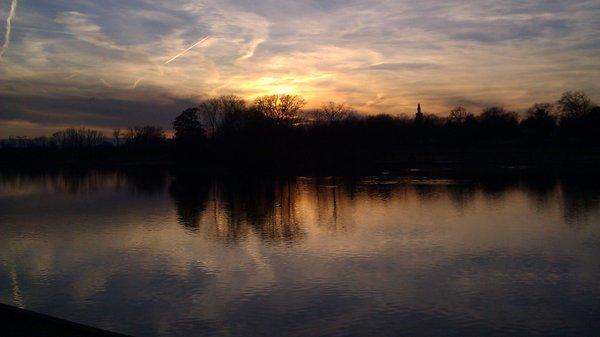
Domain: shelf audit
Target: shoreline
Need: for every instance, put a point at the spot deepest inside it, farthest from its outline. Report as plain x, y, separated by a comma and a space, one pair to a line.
17, 322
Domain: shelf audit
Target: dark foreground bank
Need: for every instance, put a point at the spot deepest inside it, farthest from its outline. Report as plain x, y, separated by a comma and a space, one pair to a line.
15, 322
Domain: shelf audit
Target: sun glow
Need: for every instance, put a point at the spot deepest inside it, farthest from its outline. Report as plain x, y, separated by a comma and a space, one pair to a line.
283, 90
303, 85
279, 86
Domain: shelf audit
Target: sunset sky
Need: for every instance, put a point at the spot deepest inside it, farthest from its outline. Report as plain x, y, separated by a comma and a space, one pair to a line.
117, 63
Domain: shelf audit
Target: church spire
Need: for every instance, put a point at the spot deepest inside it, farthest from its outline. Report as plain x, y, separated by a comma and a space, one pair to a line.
419, 114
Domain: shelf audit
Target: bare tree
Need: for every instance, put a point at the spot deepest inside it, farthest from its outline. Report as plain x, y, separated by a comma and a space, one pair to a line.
280, 107
458, 115
117, 134
232, 104
540, 111
145, 135
210, 113
213, 112
78, 138
332, 112
539, 120
574, 104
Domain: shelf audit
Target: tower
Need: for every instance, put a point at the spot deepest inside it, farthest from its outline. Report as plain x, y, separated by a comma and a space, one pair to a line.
419, 114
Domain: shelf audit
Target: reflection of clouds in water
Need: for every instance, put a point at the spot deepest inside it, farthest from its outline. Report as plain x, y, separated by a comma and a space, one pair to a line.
328, 253
17, 299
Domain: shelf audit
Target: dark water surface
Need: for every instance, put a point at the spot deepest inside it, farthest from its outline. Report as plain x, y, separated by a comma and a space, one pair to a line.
153, 254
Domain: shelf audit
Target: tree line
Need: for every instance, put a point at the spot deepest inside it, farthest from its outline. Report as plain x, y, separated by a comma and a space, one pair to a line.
276, 129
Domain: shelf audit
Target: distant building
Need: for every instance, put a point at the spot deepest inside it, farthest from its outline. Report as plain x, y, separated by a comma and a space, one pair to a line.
419, 114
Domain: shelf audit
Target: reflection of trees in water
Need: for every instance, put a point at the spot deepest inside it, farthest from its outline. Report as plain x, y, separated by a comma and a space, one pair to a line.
461, 195
69, 181
581, 197
278, 210
229, 209
267, 207
427, 192
379, 188
496, 186
580, 192
190, 194
77, 181
144, 181
540, 188
331, 197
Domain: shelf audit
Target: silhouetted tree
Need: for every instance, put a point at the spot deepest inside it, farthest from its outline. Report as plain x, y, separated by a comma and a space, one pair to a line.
42, 142
593, 124
117, 134
540, 122
497, 123
283, 108
214, 112
461, 126
190, 137
145, 136
332, 113
232, 105
574, 104
210, 112
458, 115
188, 129
576, 119
78, 138
269, 135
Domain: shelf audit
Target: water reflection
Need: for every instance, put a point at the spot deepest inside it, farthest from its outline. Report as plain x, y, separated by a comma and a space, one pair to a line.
423, 254
269, 206
233, 206
190, 194
228, 209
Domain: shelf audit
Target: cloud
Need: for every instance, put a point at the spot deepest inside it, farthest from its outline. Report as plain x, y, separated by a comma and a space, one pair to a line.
82, 27
380, 55
401, 66
251, 48
137, 108
11, 14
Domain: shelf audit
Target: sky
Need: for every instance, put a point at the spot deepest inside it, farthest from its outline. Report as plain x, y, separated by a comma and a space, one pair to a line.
119, 63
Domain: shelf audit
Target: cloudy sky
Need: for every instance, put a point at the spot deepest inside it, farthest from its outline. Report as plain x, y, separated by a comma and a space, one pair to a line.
104, 63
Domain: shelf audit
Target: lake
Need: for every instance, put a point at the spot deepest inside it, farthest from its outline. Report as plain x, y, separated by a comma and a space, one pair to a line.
152, 253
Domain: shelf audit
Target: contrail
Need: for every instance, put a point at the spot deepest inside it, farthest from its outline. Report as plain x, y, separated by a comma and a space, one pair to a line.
135, 84
73, 75
108, 85
21, 27
11, 14
253, 45
185, 51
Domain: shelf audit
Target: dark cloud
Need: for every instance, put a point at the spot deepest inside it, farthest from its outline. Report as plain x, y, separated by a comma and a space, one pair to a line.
102, 112
505, 31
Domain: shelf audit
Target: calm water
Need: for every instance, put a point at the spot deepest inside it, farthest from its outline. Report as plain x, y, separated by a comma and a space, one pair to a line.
153, 254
